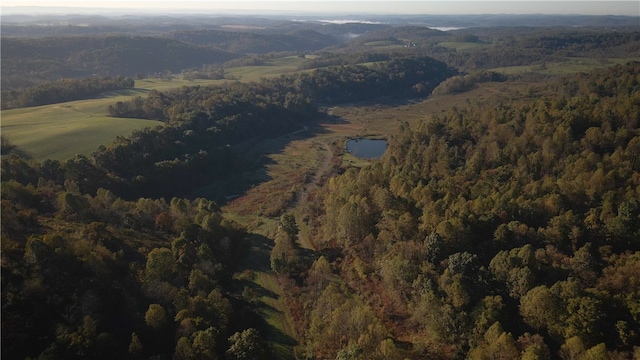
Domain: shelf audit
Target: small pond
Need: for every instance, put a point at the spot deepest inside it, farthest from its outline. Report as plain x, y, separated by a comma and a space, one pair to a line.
367, 148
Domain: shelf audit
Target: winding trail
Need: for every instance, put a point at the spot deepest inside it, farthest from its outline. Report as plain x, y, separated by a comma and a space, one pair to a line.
322, 171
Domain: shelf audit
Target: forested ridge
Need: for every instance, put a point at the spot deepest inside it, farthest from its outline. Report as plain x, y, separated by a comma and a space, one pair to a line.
98, 277
64, 90
255, 43
400, 77
509, 231
29, 61
32, 60
192, 150
541, 47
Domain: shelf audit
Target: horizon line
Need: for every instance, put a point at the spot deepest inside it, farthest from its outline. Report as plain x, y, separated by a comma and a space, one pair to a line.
407, 8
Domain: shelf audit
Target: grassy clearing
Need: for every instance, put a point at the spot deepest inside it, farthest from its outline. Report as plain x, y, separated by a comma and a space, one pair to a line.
271, 68
267, 292
176, 82
276, 316
61, 131
288, 163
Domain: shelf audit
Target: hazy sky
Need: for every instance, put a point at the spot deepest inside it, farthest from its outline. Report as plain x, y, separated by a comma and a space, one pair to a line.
631, 8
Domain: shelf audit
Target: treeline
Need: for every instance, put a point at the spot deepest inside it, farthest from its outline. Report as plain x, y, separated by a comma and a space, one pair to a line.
517, 47
403, 35
26, 62
496, 56
255, 43
408, 76
193, 150
326, 59
494, 231
340, 84
462, 83
96, 277
64, 90
204, 120
589, 44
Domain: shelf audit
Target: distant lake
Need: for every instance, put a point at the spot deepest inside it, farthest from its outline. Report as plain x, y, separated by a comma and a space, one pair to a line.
366, 148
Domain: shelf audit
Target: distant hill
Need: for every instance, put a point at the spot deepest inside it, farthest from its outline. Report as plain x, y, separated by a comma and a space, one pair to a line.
33, 60
405, 32
411, 35
250, 42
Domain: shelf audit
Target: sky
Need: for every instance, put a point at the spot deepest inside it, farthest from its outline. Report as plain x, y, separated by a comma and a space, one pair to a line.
631, 8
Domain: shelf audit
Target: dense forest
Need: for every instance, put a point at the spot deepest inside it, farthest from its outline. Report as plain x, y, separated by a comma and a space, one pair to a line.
508, 231
64, 90
98, 277
248, 42
408, 76
70, 239
507, 228
32, 60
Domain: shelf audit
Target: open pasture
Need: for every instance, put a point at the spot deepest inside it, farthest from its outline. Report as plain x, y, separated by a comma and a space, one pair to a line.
60, 131
271, 68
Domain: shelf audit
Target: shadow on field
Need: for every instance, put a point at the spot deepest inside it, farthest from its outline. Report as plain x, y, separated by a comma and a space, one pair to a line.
256, 298
19, 152
282, 343
258, 257
254, 155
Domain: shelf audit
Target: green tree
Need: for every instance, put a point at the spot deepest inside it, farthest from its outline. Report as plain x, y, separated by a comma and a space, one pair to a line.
540, 309
184, 350
155, 316
135, 346
159, 265
204, 343
288, 223
247, 345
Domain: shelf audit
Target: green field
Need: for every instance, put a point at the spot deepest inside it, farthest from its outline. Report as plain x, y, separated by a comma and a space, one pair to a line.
273, 67
60, 131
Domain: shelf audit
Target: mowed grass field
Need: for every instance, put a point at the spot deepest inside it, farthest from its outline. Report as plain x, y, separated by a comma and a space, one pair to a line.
271, 68
60, 131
